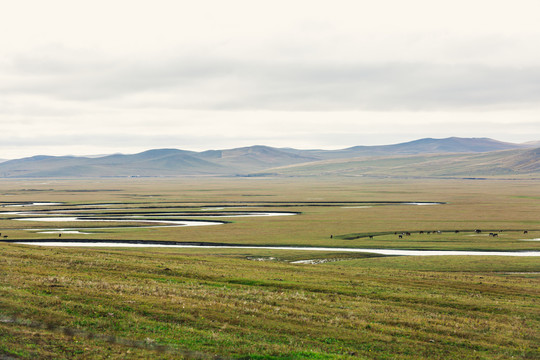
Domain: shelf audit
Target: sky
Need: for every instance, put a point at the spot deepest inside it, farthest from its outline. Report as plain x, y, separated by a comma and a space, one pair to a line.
100, 77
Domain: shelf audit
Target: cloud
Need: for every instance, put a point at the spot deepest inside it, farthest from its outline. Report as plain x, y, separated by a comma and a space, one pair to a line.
228, 84
293, 73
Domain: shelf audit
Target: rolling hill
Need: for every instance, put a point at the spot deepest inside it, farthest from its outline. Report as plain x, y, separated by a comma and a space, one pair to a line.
246, 159
451, 157
506, 163
421, 146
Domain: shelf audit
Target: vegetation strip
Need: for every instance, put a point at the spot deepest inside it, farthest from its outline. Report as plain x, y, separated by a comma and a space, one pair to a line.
74, 332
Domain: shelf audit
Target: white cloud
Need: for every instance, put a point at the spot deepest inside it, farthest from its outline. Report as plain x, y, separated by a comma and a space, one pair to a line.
121, 75
198, 83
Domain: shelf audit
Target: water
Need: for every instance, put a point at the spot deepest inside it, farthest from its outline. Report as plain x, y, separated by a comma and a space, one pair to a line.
422, 203
168, 223
33, 204
174, 223
171, 223
391, 252
62, 231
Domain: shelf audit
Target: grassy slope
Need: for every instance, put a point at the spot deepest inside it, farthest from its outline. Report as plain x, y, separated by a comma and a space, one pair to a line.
499, 163
90, 303
225, 304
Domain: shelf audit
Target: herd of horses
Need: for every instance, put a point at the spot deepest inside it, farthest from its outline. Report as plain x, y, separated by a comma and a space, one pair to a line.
407, 233
477, 231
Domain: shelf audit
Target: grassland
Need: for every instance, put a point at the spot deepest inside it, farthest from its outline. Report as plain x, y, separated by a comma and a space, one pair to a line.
240, 303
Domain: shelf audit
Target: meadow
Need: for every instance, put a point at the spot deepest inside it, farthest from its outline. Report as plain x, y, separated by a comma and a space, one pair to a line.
257, 303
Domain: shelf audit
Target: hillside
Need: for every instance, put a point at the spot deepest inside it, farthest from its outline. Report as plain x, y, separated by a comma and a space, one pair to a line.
496, 163
246, 159
423, 157
436, 146
161, 162
420, 146
158, 162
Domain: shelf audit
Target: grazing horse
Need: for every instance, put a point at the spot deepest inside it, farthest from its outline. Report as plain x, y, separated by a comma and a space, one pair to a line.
400, 236
371, 236
457, 231
478, 231
525, 232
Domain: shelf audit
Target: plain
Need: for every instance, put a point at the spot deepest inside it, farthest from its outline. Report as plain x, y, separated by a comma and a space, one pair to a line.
171, 303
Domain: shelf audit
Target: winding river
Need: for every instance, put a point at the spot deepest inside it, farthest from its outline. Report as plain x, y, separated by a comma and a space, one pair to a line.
389, 252
162, 220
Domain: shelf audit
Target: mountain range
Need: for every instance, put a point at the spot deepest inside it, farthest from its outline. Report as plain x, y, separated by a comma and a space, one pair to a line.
450, 157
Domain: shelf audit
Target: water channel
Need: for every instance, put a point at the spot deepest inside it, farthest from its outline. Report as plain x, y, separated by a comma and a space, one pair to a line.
390, 252
167, 219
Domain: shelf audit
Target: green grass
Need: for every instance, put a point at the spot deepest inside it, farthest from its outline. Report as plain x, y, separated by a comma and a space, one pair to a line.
226, 304
253, 303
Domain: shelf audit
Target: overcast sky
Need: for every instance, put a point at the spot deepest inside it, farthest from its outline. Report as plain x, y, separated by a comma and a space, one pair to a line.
96, 77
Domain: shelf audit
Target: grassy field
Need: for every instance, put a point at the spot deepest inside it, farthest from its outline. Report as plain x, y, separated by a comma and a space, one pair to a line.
255, 303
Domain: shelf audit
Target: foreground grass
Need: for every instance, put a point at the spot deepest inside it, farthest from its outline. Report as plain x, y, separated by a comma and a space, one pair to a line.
98, 303
198, 303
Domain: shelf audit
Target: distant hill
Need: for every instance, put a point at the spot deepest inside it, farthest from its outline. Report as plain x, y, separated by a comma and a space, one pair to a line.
158, 162
436, 146
161, 162
424, 157
534, 144
255, 157
496, 163
421, 146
